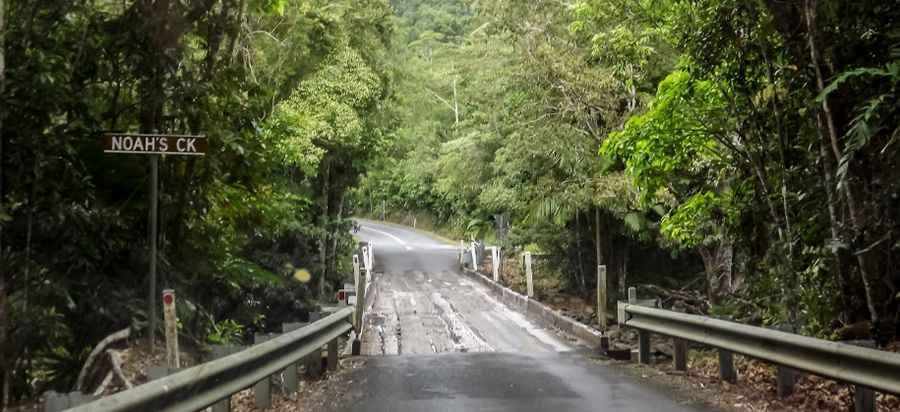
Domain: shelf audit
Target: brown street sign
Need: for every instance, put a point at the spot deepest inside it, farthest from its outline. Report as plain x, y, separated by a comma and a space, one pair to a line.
154, 144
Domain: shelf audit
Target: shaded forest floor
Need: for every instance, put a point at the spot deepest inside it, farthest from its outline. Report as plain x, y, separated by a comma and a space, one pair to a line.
313, 394
755, 389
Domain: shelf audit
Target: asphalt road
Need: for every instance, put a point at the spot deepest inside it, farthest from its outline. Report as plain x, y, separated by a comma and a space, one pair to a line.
462, 350
424, 306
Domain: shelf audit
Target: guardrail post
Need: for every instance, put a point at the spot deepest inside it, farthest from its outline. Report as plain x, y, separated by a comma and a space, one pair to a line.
313, 361
291, 378
314, 364
529, 276
863, 399
679, 351
57, 402
632, 295
644, 347
679, 347
601, 296
221, 351
726, 366
785, 381
262, 390
333, 355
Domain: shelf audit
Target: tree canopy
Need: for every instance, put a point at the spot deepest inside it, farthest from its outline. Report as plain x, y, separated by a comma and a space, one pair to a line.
748, 147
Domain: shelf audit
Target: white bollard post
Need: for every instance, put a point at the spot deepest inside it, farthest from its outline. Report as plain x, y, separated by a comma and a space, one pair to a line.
529, 277
173, 357
495, 262
474, 259
356, 282
601, 296
355, 272
366, 261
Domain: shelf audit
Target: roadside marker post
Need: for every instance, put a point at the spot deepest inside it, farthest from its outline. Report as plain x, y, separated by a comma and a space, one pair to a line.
495, 262
359, 307
170, 317
601, 296
155, 145
529, 276
356, 281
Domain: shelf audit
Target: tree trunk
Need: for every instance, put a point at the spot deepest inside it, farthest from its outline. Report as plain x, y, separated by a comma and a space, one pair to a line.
717, 262
875, 293
455, 103
599, 256
4, 317
4, 341
578, 252
839, 249
623, 271
334, 234
323, 243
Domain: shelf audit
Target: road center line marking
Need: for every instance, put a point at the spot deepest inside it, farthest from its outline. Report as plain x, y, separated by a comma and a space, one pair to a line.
397, 239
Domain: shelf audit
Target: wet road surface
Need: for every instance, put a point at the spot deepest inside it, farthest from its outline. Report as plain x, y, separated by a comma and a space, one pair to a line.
462, 350
423, 305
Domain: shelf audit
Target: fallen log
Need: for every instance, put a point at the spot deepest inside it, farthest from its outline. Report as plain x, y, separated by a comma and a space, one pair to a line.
116, 361
104, 384
98, 350
685, 300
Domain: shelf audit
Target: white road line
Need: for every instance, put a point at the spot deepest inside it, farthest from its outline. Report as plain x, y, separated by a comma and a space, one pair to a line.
397, 239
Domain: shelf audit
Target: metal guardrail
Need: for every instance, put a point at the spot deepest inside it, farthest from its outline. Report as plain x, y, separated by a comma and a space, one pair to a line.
867, 368
205, 384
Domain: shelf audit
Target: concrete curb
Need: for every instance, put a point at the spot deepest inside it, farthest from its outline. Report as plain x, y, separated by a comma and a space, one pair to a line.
537, 311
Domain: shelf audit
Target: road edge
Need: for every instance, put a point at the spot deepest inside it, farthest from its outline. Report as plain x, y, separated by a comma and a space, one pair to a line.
539, 312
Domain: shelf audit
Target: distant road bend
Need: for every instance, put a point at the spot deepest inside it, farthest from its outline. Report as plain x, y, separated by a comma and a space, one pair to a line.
457, 348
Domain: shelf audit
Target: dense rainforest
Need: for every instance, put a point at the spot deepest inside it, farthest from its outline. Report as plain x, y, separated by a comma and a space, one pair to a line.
291, 95
746, 149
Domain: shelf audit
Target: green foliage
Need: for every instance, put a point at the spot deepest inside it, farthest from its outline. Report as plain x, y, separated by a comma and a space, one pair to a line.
288, 92
225, 332
874, 116
672, 149
713, 136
